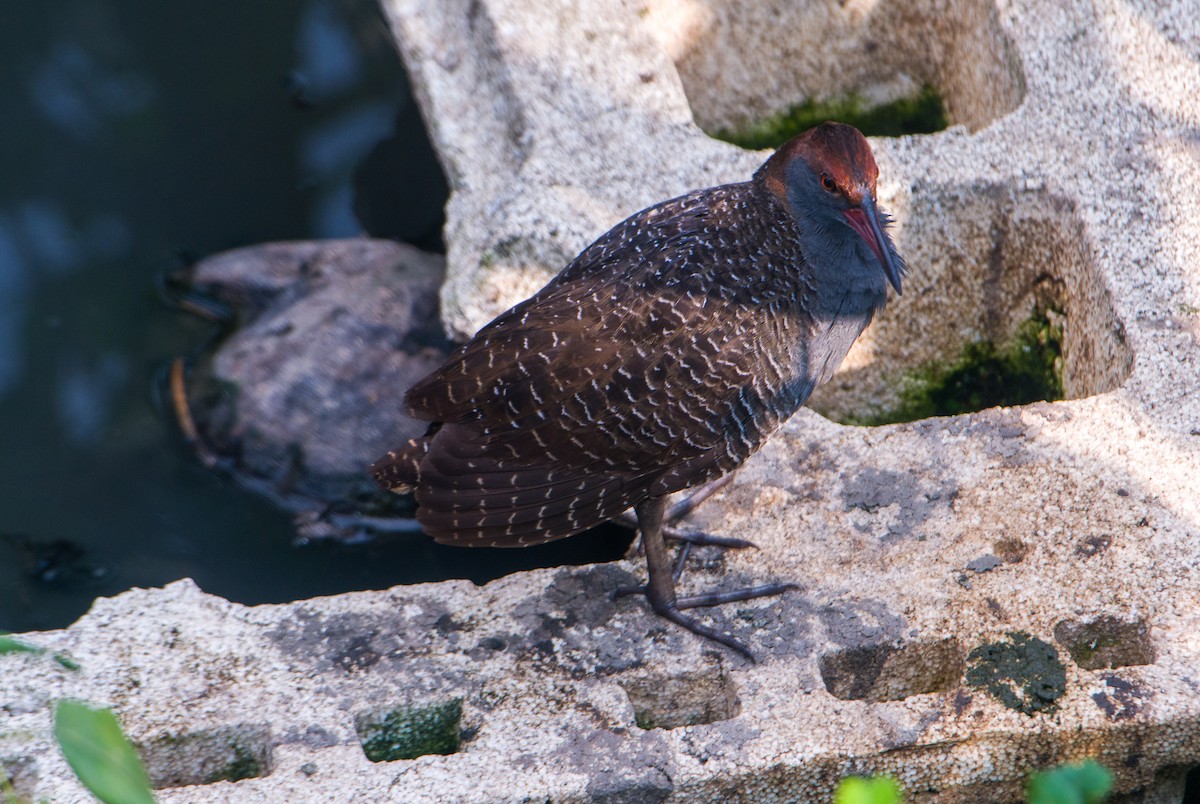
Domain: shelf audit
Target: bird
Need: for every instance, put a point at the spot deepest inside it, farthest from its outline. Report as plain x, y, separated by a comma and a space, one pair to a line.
657, 361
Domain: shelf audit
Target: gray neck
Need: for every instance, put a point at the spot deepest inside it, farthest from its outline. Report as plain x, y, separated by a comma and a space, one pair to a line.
848, 280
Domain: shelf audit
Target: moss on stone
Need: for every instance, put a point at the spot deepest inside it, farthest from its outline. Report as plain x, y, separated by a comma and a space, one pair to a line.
1021, 671
204, 757
1085, 650
410, 732
922, 113
645, 720
1026, 369
8, 789
243, 764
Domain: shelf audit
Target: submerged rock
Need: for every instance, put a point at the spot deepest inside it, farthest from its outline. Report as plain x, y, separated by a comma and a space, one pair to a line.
309, 388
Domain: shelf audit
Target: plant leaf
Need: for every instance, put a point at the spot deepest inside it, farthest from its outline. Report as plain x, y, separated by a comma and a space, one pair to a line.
876, 790
1085, 783
65, 660
10, 645
100, 755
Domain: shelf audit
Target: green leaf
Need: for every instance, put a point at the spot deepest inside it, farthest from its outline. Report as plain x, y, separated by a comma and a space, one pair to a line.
65, 660
10, 795
876, 790
100, 755
1086, 783
10, 645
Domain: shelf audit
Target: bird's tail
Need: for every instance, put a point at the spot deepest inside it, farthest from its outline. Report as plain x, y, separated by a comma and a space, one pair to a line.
400, 469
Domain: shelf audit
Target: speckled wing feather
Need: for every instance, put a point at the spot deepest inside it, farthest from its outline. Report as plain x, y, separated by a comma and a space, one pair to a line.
660, 358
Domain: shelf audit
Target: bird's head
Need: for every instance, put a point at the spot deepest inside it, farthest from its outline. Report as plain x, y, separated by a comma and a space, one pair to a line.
826, 178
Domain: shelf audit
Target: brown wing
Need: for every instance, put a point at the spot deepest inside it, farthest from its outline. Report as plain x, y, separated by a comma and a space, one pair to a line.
555, 342
518, 364
551, 430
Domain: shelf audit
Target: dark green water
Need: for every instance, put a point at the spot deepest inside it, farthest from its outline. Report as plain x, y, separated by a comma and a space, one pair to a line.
136, 137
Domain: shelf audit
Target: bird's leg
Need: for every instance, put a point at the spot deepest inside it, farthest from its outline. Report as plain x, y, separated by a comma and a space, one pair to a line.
687, 538
676, 572
660, 588
689, 503
680, 509
681, 558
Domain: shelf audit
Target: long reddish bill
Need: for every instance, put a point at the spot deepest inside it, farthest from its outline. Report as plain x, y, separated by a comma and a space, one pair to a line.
865, 221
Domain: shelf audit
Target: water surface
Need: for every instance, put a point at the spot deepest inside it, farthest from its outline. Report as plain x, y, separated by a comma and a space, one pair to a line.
137, 137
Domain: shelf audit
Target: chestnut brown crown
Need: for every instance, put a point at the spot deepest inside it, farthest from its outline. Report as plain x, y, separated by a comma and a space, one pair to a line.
838, 154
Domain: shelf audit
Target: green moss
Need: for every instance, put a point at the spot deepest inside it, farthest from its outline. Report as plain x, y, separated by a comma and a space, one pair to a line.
497, 252
224, 754
7, 791
244, 764
1021, 671
1085, 650
1026, 369
645, 720
410, 732
922, 113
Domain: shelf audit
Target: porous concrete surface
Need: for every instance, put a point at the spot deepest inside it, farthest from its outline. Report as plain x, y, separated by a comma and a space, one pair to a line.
926, 553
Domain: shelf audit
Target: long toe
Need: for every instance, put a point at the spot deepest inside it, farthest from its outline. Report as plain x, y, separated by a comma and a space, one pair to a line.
673, 614
660, 586
626, 591
681, 561
703, 539
717, 598
689, 503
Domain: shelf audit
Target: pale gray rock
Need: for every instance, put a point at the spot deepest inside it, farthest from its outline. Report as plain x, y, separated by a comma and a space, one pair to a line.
552, 125
308, 390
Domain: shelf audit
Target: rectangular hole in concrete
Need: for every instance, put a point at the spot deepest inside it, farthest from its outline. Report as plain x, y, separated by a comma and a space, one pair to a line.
668, 701
891, 672
205, 756
408, 732
741, 63
1106, 641
1003, 267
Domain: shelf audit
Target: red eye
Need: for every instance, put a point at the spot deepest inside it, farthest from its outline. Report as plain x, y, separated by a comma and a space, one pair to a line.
828, 183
